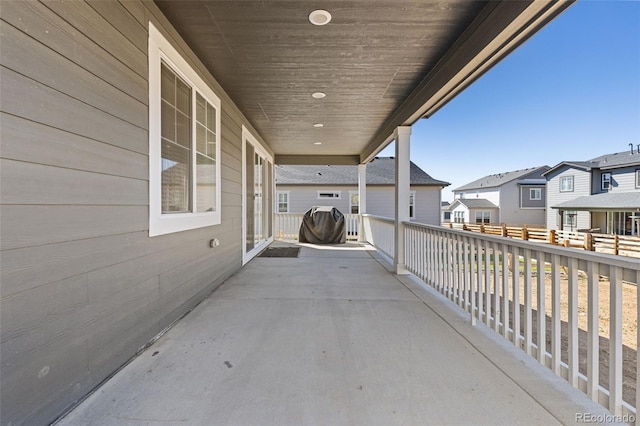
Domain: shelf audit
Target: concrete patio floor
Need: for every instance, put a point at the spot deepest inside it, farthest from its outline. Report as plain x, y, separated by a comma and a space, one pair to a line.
330, 338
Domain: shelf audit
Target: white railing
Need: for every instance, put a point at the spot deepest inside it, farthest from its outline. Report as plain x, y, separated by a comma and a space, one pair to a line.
380, 233
287, 226
564, 307
549, 301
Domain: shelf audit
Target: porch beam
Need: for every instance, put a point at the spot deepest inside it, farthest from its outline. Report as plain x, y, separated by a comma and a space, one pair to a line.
403, 138
318, 160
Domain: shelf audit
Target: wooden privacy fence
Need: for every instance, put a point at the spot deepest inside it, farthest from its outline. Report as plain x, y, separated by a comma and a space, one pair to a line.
622, 245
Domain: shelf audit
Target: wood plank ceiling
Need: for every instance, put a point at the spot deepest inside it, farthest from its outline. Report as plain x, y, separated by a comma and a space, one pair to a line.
381, 63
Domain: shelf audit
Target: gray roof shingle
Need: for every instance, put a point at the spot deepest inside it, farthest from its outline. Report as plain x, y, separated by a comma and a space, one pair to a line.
604, 162
606, 201
493, 181
380, 171
473, 203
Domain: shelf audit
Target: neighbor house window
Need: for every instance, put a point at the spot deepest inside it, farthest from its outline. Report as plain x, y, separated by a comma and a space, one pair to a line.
638, 178
535, 193
184, 143
566, 184
412, 205
354, 202
458, 216
483, 217
569, 219
283, 201
605, 180
329, 194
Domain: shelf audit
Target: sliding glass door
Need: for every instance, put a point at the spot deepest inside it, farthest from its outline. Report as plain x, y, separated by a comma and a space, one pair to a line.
258, 193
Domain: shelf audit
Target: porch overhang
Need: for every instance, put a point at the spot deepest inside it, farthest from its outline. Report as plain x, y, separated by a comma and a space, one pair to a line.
381, 66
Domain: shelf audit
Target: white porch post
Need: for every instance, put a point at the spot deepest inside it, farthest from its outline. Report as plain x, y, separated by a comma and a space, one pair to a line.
362, 199
403, 138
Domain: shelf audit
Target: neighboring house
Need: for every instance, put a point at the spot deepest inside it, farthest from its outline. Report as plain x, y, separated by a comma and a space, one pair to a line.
298, 188
445, 212
602, 193
514, 198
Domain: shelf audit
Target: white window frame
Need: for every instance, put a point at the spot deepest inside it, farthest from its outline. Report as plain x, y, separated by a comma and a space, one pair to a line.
337, 195
483, 214
351, 205
637, 178
412, 204
569, 219
605, 181
161, 50
288, 196
533, 191
567, 179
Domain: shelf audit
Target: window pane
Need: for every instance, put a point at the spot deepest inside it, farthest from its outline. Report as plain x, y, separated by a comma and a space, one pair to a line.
211, 118
205, 184
168, 122
183, 97
183, 129
201, 109
211, 144
168, 85
201, 139
175, 178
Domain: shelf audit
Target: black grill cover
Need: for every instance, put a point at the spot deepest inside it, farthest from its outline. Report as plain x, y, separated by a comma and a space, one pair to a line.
322, 225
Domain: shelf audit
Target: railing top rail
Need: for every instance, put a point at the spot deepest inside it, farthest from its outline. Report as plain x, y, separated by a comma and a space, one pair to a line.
589, 256
380, 218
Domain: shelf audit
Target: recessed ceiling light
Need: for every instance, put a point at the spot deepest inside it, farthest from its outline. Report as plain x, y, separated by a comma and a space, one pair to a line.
317, 143
318, 125
319, 17
318, 95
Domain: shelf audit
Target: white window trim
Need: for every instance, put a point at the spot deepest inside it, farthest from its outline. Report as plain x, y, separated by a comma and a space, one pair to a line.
412, 193
606, 175
537, 190
288, 194
159, 224
338, 193
572, 183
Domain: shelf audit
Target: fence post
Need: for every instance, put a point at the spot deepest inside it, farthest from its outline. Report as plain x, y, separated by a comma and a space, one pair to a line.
524, 233
616, 242
588, 241
504, 230
482, 228
551, 238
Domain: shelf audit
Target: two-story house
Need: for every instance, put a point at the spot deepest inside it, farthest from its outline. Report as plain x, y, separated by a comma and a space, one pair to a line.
602, 193
514, 198
300, 187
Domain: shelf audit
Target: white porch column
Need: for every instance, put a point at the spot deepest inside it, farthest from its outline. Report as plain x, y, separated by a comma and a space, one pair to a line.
362, 199
403, 139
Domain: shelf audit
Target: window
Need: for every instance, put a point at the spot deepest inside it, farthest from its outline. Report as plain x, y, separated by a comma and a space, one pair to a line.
638, 178
535, 193
569, 220
354, 202
605, 180
566, 184
458, 216
283, 202
483, 217
329, 194
184, 143
412, 204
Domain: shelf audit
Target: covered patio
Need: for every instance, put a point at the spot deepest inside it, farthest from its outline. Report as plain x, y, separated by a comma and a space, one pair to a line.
331, 337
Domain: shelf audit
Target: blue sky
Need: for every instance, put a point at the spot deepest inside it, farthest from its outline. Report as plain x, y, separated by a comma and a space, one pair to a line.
571, 92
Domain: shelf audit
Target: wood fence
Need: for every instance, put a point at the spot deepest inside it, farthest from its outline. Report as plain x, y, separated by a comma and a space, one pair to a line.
622, 245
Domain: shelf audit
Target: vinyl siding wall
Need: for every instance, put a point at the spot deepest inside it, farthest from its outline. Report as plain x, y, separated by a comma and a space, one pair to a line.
510, 211
380, 200
83, 285
622, 180
581, 187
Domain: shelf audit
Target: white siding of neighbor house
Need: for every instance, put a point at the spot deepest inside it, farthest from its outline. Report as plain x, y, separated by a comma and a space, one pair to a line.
510, 211
380, 200
581, 187
622, 180
491, 194
84, 287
